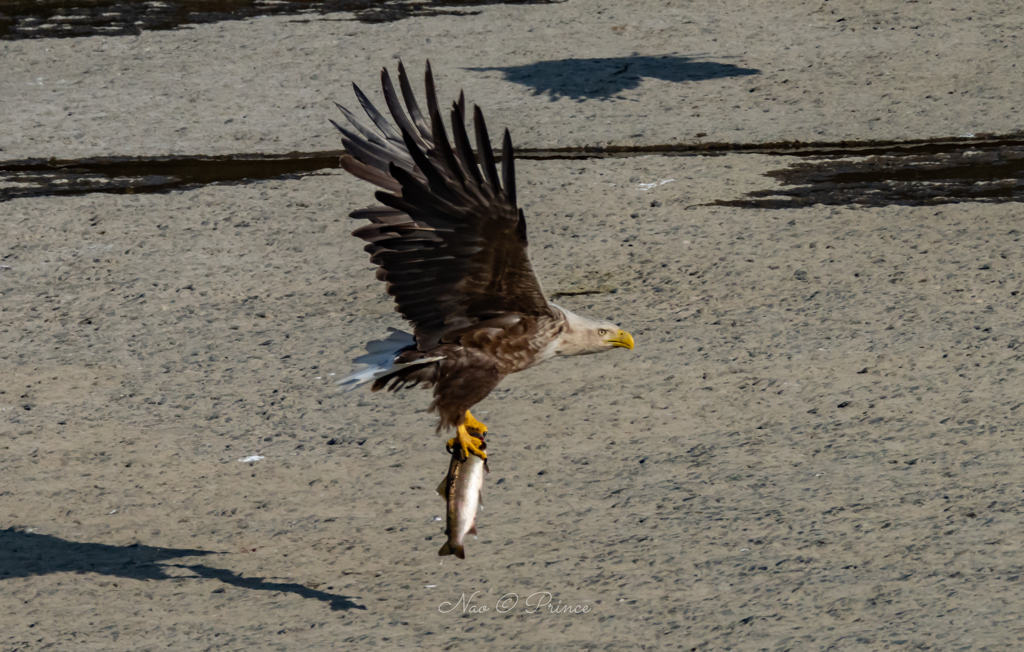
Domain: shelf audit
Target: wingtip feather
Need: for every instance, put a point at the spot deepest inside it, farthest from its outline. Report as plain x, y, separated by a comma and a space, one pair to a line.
508, 168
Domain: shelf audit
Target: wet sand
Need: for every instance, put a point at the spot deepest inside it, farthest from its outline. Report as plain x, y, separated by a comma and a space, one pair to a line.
814, 445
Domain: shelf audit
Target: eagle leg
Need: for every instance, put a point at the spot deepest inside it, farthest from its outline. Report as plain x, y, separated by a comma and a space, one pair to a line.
468, 443
473, 424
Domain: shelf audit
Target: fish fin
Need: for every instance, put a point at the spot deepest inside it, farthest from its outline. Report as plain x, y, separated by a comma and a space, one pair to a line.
486, 468
442, 489
472, 530
460, 552
445, 550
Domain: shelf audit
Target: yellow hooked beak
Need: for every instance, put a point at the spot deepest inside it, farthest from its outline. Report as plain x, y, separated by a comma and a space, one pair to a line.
623, 339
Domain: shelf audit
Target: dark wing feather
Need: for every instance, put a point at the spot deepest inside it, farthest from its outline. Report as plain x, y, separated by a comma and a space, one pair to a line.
462, 146
508, 169
410, 102
397, 112
449, 241
483, 148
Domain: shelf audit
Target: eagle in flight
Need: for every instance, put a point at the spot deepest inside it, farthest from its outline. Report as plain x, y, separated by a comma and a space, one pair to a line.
450, 243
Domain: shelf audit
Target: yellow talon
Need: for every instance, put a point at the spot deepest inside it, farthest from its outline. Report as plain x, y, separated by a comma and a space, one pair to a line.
473, 424
468, 443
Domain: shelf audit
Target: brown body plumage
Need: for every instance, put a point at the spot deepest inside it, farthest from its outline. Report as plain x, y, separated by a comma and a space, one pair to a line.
474, 363
450, 243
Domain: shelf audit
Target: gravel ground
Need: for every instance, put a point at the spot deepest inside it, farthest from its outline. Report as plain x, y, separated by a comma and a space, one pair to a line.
569, 74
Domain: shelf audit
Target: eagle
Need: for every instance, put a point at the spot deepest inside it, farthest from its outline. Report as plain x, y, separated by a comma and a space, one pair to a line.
449, 241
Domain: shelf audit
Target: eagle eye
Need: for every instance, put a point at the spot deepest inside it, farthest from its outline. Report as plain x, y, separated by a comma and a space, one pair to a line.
602, 332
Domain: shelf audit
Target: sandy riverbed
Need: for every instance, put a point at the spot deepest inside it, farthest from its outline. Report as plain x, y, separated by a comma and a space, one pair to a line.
815, 444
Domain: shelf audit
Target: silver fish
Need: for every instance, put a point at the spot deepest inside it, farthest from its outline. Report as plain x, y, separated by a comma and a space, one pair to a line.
462, 488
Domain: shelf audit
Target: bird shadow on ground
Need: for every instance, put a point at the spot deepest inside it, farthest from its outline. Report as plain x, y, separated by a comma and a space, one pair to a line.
601, 78
23, 554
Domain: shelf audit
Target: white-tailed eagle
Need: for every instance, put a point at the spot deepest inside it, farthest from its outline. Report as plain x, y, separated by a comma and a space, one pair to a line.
450, 243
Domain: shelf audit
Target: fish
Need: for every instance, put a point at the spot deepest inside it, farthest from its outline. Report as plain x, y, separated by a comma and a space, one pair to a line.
462, 489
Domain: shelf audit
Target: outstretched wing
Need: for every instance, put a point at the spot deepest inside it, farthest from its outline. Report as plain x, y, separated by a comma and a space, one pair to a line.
449, 241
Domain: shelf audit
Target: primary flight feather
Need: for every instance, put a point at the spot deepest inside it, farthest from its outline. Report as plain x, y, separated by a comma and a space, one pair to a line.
450, 244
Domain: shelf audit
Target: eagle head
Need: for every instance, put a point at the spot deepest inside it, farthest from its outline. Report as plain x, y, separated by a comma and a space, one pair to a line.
582, 336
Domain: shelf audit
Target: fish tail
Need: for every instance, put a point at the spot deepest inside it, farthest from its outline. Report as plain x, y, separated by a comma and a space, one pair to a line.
449, 549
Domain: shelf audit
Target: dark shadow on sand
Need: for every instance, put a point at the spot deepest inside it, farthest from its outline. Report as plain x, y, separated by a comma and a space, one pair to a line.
23, 554
601, 78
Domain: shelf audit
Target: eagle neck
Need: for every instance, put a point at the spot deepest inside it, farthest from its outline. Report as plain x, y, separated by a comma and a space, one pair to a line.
571, 338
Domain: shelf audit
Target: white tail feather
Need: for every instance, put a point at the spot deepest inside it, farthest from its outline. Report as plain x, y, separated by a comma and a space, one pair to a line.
380, 359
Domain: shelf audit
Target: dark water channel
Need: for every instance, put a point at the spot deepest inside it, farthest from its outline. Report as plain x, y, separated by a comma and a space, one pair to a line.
131, 175
24, 19
910, 173
968, 173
